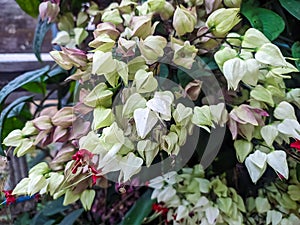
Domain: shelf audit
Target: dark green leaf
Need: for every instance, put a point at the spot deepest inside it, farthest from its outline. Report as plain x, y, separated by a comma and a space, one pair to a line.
53, 207
31, 7
56, 75
292, 6
39, 35
141, 209
20, 81
71, 218
16, 110
4, 114
210, 62
39, 219
163, 70
183, 78
267, 21
40, 157
35, 87
57, 71
23, 219
296, 53
49, 222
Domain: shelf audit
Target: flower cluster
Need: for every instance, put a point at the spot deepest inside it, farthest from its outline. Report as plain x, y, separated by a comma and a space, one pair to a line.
135, 105
189, 198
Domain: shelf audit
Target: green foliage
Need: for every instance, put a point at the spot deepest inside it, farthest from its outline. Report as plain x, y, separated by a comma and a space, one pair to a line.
35, 87
296, 53
292, 6
31, 7
267, 21
72, 217
125, 119
139, 211
39, 35
4, 114
54, 207
20, 81
52, 213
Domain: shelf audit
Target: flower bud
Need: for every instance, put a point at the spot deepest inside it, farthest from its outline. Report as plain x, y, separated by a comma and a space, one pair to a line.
234, 39
156, 5
126, 6
223, 20
141, 26
184, 20
223, 55
76, 56
193, 89
80, 35
99, 96
82, 19
152, 48
126, 47
64, 117
284, 110
270, 54
103, 117
107, 28
184, 53
147, 150
167, 11
170, 143
63, 155
293, 96
42, 123
194, 2
253, 38
103, 63
234, 71
103, 43
14, 138
26, 146
67, 58
66, 22
48, 10
112, 16
62, 38
233, 3
29, 129
60, 59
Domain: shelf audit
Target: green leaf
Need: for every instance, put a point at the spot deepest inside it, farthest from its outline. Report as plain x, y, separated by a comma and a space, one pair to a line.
35, 87
20, 81
141, 209
209, 62
183, 78
267, 21
39, 218
16, 110
4, 114
49, 222
163, 71
296, 53
39, 35
54, 207
71, 218
292, 6
31, 7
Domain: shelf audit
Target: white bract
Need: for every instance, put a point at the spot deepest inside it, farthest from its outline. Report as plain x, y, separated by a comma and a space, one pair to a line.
256, 164
234, 71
